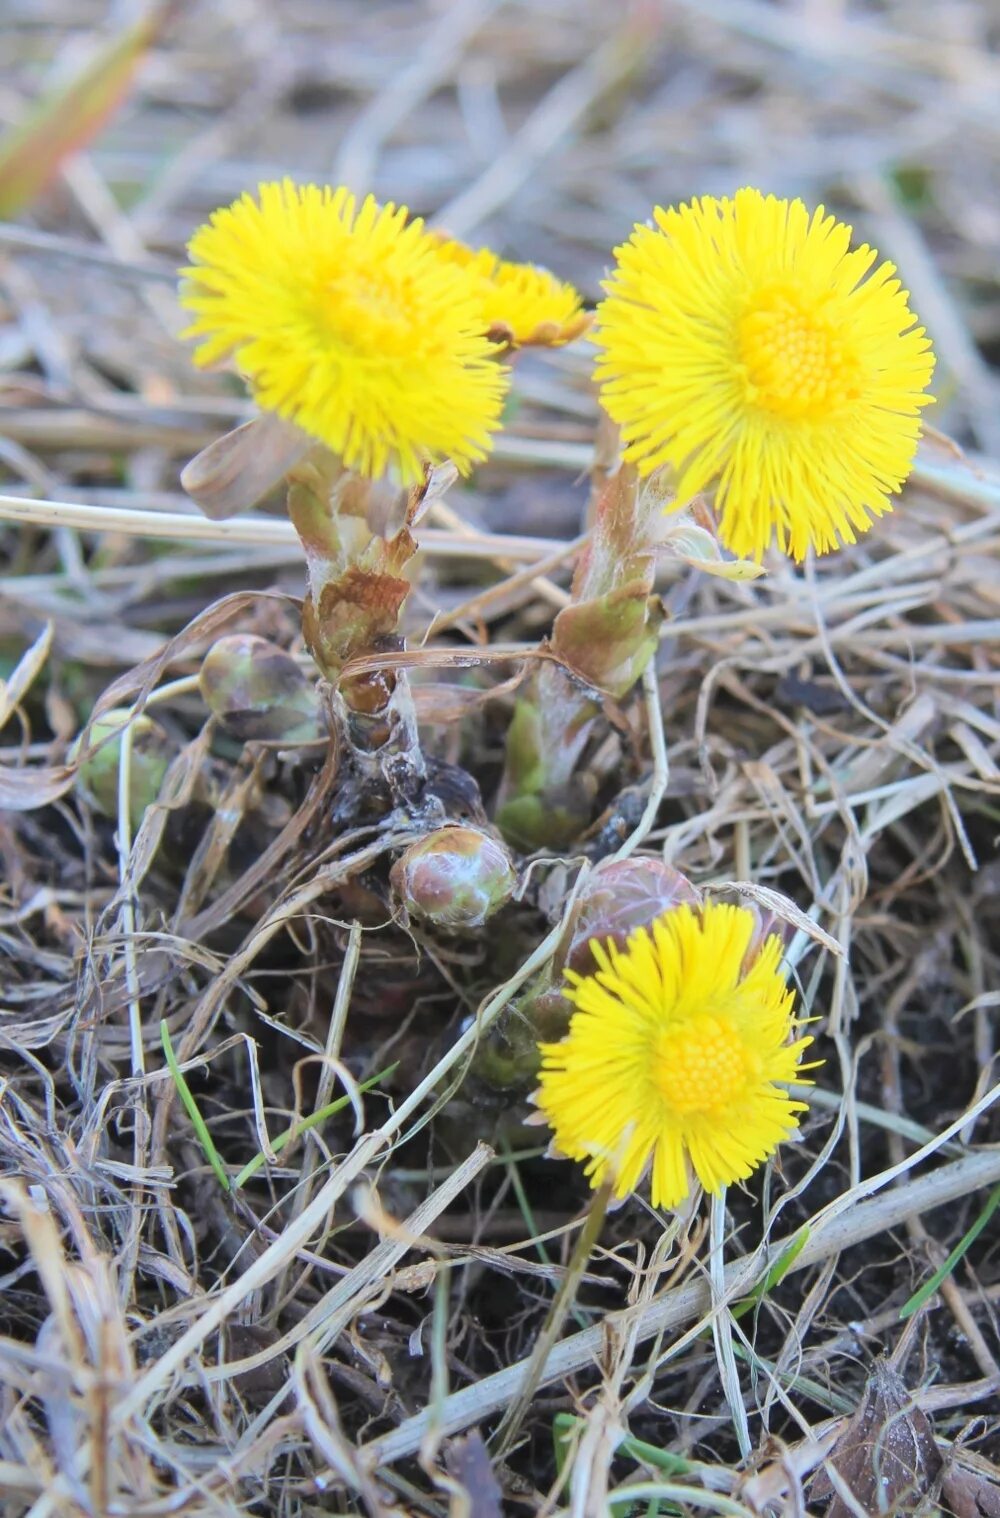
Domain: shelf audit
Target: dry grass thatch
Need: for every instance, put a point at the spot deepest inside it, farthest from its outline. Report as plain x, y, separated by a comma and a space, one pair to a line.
383, 1311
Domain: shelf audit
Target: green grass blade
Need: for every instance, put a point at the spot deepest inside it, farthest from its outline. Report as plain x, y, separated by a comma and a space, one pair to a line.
651, 1454
312, 1121
564, 1425
960, 1250
191, 1107
777, 1272
259, 1160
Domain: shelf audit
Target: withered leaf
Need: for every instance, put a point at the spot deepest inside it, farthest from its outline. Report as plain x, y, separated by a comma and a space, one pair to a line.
237, 470
966, 1494
22, 790
886, 1457
421, 498
28, 667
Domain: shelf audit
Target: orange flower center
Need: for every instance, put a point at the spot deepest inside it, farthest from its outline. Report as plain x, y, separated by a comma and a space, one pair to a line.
796, 363
701, 1067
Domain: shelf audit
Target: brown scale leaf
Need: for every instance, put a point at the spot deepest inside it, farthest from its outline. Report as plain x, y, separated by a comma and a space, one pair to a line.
886, 1457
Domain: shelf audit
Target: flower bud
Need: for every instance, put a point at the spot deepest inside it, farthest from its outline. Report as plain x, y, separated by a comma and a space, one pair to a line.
257, 691
455, 878
97, 777
620, 896
507, 1057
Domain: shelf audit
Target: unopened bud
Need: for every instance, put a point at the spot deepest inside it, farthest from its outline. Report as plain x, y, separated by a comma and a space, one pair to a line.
507, 1057
455, 878
257, 691
97, 776
620, 896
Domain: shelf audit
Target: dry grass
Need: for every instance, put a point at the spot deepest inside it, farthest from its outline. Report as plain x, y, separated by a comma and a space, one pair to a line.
312, 1341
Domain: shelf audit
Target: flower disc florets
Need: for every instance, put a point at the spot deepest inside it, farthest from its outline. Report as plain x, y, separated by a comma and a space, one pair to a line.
345, 321
742, 343
676, 1054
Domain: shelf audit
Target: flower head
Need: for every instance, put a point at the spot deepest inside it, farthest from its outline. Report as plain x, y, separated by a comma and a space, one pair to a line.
522, 305
345, 321
742, 343
676, 1053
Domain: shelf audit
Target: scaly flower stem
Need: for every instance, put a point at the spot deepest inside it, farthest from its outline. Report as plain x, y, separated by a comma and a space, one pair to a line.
602, 641
356, 590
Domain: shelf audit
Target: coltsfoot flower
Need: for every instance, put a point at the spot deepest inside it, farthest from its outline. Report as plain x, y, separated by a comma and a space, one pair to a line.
522, 305
344, 320
676, 1055
742, 343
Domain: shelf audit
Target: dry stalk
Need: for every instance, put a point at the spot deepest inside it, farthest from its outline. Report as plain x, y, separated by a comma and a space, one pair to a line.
851, 1223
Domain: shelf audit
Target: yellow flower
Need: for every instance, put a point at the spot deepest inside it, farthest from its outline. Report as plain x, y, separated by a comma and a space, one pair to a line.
742, 343
675, 1053
345, 321
522, 305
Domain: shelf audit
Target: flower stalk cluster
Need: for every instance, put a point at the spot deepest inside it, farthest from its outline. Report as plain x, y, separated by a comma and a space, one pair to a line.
355, 591
378, 345
743, 345
767, 379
